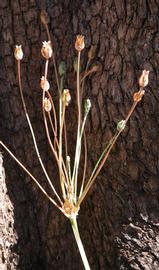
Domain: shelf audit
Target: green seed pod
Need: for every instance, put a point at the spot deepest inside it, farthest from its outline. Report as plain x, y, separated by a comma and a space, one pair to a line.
121, 125
62, 68
87, 105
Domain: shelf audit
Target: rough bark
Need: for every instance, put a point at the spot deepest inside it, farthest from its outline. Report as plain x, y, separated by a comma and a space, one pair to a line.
119, 219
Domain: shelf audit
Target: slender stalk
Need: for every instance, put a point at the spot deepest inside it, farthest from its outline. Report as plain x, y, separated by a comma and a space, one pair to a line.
60, 138
53, 58
75, 170
85, 164
55, 153
66, 144
79, 243
31, 176
55, 117
33, 135
92, 179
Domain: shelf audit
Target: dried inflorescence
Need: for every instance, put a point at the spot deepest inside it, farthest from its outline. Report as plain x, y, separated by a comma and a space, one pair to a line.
73, 191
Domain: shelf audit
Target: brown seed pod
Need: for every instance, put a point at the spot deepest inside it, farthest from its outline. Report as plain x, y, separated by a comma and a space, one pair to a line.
79, 44
47, 105
46, 49
18, 53
144, 78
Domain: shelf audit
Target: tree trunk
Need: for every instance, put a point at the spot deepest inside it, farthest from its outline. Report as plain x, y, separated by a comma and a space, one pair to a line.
119, 219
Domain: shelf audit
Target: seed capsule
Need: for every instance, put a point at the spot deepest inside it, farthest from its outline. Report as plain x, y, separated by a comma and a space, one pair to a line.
87, 105
44, 84
18, 53
144, 78
47, 105
79, 44
66, 97
46, 49
121, 125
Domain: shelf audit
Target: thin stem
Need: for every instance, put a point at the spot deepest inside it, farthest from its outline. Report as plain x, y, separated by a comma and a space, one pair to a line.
100, 159
59, 161
32, 177
85, 164
53, 58
56, 143
54, 152
92, 179
60, 138
79, 243
75, 170
33, 135
55, 117
66, 144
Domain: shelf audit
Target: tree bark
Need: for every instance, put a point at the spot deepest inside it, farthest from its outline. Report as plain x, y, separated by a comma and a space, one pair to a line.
119, 220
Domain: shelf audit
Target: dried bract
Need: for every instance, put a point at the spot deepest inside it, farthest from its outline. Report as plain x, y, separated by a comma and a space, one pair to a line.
47, 105
46, 50
18, 53
66, 97
79, 44
144, 78
44, 84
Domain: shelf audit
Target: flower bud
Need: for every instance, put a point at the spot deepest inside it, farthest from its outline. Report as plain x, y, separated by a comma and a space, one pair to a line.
66, 97
46, 49
47, 105
87, 105
121, 125
18, 53
138, 95
144, 78
44, 84
79, 44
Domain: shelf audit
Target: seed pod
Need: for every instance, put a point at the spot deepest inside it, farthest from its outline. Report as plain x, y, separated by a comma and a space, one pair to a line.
47, 105
44, 84
79, 44
18, 53
121, 125
46, 49
87, 106
66, 97
144, 78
